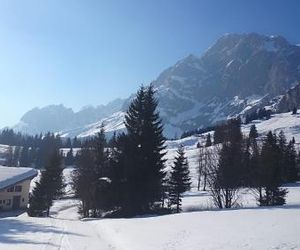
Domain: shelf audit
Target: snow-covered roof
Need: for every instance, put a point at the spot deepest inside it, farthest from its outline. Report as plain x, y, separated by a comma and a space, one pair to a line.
11, 175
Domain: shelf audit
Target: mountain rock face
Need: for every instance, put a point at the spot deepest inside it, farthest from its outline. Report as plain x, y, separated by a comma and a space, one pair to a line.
236, 75
290, 100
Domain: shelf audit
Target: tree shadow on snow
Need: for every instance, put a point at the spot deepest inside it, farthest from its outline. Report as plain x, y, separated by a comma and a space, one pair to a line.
14, 213
14, 231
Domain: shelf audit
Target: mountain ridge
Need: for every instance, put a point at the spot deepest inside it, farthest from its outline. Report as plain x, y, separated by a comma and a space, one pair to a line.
237, 74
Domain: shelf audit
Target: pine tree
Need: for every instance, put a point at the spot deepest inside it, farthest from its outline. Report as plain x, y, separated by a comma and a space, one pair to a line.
69, 160
253, 172
68, 143
37, 203
283, 154
179, 181
219, 134
24, 158
141, 155
49, 188
92, 178
253, 132
103, 172
84, 180
208, 142
271, 173
291, 163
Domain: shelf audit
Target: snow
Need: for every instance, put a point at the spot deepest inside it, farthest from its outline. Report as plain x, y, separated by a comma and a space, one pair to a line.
237, 101
12, 175
228, 64
4, 148
111, 124
205, 228
247, 228
288, 123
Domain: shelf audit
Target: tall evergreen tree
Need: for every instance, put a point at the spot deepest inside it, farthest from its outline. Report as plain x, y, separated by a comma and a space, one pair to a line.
179, 181
24, 158
253, 134
283, 155
141, 163
49, 188
208, 142
291, 163
93, 176
253, 178
271, 173
84, 180
69, 159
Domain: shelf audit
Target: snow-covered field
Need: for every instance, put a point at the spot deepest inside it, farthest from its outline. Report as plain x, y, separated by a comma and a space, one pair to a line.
247, 228
200, 226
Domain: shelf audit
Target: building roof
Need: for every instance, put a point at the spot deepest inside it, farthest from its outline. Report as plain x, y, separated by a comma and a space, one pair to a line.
11, 175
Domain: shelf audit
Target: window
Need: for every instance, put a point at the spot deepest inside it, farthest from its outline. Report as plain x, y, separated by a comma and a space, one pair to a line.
18, 188
23, 200
3, 201
0, 201
11, 189
8, 202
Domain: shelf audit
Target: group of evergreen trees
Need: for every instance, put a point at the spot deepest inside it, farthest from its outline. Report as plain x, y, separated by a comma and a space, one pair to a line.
34, 151
30, 151
129, 177
12, 138
245, 162
259, 114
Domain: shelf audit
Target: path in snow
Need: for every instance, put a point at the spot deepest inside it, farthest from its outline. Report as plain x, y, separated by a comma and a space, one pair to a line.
75, 234
63, 231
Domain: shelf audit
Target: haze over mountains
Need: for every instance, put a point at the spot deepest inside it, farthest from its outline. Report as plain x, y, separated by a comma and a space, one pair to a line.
236, 75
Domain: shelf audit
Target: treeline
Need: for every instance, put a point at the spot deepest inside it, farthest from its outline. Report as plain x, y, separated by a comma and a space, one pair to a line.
236, 161
35, 155
197, 131
259, 114
32, 151
12, 138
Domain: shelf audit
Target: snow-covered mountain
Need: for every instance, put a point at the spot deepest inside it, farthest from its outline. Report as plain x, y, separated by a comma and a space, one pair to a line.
237, 74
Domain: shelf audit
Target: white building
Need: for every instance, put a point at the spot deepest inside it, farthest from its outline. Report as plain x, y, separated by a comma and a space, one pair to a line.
14, 187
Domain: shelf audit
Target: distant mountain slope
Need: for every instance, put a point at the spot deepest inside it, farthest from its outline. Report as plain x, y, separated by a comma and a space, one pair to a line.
237, 74
57, 118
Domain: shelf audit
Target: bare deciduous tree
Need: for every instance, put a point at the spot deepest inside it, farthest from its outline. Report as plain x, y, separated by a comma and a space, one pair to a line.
223, 195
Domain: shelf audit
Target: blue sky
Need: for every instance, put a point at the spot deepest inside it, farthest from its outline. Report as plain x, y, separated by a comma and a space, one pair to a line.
91, 51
